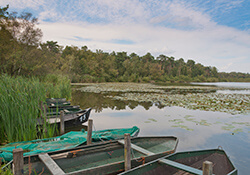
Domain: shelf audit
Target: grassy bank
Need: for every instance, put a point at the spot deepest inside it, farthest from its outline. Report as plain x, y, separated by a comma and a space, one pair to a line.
19, 105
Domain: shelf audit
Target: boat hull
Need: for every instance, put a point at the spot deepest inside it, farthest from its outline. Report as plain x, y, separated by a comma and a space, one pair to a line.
106, 158
70, 120
187, 163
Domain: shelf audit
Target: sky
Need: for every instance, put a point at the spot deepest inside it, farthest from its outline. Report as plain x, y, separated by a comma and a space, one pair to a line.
210, 32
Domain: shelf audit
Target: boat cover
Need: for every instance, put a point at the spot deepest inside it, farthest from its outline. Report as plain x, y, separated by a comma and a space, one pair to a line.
69, 140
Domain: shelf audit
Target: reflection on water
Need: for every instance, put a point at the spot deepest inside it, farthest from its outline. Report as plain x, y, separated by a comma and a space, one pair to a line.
195, 129
97, 102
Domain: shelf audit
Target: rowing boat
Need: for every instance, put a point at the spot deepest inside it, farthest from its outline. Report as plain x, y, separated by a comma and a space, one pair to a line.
69, 140
103, 158
52, 102
71, 118
187, 163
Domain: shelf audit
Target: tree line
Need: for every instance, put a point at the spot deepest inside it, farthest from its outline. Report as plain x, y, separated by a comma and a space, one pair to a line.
23, 53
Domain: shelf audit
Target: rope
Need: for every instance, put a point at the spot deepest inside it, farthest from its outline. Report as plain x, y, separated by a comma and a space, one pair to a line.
95, 133
142, 159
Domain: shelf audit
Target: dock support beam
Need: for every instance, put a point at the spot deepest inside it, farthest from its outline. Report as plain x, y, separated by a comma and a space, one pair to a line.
89, 134
62, 127
18, 161
207, 168
127, 152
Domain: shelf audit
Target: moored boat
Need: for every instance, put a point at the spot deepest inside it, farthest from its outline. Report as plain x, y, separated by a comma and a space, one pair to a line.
72, 117
53, 102
69, 140
187, 163
104, 158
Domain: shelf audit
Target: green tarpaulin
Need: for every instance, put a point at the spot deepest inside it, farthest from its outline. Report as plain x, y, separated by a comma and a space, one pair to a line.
70, 140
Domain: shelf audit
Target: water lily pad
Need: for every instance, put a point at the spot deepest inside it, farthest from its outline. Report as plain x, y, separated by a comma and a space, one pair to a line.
237, 130
229, 127
151, 119
183, 127
176, 121
190, 97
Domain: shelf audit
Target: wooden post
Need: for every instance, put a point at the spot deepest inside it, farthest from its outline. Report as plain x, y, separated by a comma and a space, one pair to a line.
18, 161
127, 152
207, 168
62, 122
89, 134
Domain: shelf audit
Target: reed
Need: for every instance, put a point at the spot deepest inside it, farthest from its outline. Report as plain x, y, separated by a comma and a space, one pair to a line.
20, 106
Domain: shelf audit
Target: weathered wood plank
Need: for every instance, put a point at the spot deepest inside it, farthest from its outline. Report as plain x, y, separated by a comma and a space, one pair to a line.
181, 166
137, 148
50, 164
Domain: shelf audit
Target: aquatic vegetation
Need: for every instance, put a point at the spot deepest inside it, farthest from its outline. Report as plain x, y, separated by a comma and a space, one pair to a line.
189, 118
237, 130
202, 98
183, 127
176, 121
153, 120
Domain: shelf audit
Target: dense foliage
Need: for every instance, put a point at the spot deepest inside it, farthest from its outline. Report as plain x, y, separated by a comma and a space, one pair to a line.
22, 53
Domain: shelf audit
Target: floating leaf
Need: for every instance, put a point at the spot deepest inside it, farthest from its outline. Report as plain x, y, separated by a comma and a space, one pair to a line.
237, 130
183, 127
151, 119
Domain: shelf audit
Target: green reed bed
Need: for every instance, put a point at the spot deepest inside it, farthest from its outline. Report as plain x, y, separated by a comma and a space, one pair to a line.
20, 100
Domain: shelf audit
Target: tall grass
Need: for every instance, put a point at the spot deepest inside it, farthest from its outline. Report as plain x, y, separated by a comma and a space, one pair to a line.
20, 106
57, 86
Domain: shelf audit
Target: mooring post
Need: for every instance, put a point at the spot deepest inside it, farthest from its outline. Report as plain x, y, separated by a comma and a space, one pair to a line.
18, 161
127, 152
89, 134
207, 168
62, 122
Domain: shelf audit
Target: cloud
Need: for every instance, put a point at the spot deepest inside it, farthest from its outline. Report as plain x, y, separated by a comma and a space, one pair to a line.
209, 47
182, 29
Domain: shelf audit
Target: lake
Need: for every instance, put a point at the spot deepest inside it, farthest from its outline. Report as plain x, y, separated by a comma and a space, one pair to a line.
196, 129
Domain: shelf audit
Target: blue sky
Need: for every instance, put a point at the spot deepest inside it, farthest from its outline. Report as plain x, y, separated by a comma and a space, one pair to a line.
211, 32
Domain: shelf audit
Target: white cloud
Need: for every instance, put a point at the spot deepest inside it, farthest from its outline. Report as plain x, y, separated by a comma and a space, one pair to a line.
174, 28
209, 47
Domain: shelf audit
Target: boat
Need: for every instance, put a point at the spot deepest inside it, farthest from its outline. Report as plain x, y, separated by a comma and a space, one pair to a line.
72, 117
187, 163
55, 100
67, 110
71, 139
101, 158
52, 102
55, 108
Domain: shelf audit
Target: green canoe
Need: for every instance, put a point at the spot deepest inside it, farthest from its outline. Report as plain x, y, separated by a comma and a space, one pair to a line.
69, 140
101, 158
187, 163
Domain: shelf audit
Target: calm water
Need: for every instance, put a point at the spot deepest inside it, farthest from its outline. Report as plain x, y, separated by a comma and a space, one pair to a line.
195, 129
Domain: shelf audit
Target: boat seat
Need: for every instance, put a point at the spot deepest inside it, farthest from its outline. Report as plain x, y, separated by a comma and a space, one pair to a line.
66, 111
137, 148
50, 164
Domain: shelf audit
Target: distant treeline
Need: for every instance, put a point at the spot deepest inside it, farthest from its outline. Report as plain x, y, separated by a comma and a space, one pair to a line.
22, 53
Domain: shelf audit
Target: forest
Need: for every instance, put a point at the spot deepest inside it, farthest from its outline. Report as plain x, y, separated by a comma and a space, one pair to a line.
22, 53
